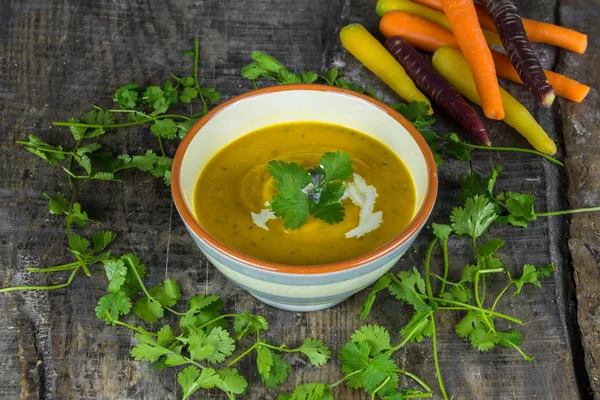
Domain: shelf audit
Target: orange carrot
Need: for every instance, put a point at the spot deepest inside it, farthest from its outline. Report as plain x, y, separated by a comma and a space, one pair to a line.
465, 26
538, 32
417, 31
429, 37
565, 87
422, 11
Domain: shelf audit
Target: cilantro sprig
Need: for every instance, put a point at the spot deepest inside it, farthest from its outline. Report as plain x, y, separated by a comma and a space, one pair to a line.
267, 66
316, 191
202, 344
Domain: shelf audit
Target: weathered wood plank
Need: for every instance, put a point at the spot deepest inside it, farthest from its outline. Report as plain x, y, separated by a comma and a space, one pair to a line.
57, 58
582, 144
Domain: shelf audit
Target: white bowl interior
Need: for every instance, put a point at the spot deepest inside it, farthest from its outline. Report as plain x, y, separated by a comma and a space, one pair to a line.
266, 109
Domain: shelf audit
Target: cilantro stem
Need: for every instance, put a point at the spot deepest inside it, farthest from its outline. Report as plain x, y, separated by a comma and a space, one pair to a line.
70, 162
60, 286
427, 267
470, 307
45, 150
245, 353
444, 281
478, 299
410, 335
62, 267
416, 379
196, 56
160, 143
220, 317
445, 252
148, 116
517, 149
380, 387
254, 84
137, 276
435, 359
564, 212
123, 125
358, 371
509, 284
68, 225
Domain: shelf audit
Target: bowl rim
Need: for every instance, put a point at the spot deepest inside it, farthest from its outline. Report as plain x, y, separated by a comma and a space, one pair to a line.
413, 227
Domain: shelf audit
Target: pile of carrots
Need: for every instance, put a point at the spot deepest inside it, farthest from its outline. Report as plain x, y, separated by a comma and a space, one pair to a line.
460, 34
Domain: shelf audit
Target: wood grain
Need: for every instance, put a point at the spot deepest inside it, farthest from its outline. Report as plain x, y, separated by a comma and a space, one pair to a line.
57, 58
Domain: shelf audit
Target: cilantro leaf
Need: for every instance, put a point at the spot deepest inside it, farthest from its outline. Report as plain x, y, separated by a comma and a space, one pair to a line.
330, 76
468, 324
291, 204
287, 77
132, 285
211, 94
115, 272
377, 337
146, 352
415, 112
475, 184
191, 379
57, 204
246, 323
458, 293
337, 166
148, 310
529, 275
309, 77
78, 245
490, 248
231, 382
406, 289
520, 208
442, 232
309, 391
166, 293
165, 336
329, 208
354, 357
474, 218
419, 327
115, 304
98, 117
316, 351
213, 347
102, 239
188, 94
264, 361
544, 272
75, 215
381, 284
51, 154
78, 132
127, 96
278, 372
456, 147
164, 128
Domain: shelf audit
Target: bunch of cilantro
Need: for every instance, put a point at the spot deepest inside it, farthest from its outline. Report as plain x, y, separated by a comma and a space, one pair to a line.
202, 340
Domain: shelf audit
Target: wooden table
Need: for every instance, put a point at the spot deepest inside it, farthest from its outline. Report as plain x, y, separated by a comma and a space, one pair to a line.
57, 58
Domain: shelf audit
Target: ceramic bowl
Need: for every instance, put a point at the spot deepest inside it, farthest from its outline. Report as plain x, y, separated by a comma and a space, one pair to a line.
290, 287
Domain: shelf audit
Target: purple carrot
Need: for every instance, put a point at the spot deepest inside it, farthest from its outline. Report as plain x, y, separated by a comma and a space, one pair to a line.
514, 39
430, 82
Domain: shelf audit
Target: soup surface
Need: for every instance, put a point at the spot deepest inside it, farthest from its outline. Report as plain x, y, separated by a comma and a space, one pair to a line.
236, 182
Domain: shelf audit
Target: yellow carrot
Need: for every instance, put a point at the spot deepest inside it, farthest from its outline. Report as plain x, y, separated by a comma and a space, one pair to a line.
362, 45
437, 17
451, 64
